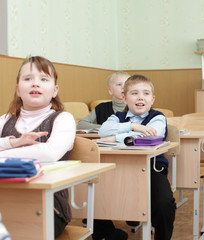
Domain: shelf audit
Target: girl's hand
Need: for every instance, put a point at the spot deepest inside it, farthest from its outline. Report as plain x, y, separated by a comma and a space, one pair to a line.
144, 129
26, 139
107, 139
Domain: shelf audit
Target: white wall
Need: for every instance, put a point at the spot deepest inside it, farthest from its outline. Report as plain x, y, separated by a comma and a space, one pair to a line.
112, 34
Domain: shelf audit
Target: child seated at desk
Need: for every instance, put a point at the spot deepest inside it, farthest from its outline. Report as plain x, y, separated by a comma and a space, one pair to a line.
115, 82
137, 119
102, 111
37, 127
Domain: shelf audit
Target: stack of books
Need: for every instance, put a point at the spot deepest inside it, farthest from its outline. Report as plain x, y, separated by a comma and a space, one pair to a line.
19, 169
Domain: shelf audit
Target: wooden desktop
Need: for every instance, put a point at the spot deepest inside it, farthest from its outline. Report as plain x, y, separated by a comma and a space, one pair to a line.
28, 208
124, 193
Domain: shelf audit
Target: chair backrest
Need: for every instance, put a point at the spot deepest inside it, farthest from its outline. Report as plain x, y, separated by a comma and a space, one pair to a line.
193, 124
78, 109
198, 115
95, 103
166, 112
175, 121
187, 123
173, 136
85, 150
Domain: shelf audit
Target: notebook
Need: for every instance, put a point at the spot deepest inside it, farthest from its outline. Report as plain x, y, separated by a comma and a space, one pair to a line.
141, 147
83, 131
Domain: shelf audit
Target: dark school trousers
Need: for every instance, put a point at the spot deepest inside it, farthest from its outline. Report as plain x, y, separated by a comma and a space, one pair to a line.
163, 206
59, 225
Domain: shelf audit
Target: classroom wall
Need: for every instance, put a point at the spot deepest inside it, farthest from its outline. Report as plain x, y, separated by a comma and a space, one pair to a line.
174, 89
109, 34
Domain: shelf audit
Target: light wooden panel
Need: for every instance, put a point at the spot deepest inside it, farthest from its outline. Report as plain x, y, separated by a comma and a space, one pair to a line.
174, 89
117, 194
189, 178
8, 72
82, 84
199, 100
23, 227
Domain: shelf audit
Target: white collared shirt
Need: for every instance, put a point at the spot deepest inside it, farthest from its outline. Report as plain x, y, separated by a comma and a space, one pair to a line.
113, 126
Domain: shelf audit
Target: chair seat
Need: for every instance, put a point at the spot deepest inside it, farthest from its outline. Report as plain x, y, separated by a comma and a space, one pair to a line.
73, 233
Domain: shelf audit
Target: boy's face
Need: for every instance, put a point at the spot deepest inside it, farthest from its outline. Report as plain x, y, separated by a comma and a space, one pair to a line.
139, 98
116, 89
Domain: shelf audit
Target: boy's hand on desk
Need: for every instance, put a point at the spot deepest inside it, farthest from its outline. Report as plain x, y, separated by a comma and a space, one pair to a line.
147, 130
107, 139
26, 139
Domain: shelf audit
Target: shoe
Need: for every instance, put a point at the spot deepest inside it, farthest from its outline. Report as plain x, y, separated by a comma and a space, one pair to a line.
84, 221
118, 234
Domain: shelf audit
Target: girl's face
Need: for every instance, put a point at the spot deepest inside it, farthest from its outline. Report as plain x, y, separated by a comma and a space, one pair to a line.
139, 98
116, 89
36, 89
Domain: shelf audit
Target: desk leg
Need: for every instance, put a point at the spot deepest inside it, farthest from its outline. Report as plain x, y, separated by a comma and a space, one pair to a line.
49, 214
90, 208
202, 229
146, 228
196, 214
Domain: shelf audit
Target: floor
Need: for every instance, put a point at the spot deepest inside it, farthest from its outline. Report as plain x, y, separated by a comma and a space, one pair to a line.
183, 227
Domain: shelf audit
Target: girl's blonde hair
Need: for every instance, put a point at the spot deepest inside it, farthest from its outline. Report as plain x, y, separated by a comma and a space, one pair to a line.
43, 65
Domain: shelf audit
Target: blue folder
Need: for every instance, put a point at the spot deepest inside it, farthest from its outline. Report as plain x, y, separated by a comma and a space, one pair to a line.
17, 167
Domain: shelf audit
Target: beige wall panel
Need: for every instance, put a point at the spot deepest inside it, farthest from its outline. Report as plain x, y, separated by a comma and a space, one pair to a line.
8, 72
174, 89
82, 84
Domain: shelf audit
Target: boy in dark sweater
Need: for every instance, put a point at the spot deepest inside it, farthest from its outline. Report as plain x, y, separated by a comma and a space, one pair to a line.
104, 110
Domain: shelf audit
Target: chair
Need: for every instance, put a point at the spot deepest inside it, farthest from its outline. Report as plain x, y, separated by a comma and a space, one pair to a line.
95, 103
196, 115
189, 122
166, 112
87, 151
173, 136
78, 109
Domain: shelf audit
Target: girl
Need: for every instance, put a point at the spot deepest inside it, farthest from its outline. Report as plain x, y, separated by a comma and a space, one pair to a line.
36, 126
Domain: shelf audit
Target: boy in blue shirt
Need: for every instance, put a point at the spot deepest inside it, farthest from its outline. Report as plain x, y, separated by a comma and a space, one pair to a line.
139, 119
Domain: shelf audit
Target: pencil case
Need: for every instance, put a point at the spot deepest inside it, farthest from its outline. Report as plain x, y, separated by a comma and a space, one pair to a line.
147, 141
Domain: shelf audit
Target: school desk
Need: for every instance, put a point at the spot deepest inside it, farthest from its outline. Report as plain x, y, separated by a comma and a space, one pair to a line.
188, 171
88, 135
124, 193
27, 208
